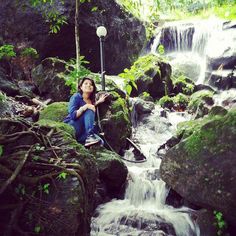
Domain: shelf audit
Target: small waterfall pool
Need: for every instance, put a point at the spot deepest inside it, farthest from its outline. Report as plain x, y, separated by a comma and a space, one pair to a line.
143, 210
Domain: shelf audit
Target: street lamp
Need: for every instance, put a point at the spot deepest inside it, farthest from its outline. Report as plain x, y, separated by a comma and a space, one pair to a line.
101, 33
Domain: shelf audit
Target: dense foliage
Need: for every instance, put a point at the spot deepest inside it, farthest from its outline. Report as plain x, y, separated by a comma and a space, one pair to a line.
153, 10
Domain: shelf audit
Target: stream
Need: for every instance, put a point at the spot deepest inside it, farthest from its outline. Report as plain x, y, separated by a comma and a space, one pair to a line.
143, 210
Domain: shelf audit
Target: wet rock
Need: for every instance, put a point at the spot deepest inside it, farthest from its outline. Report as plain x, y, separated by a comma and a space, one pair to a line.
115, 121
218, 110
223, 79
206, 222
201, 168
7, 86
111, 169
200, 102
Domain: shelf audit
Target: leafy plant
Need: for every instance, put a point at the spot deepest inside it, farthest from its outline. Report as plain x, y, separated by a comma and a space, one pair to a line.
62, 175
166, 101
7, 51
145, 66
29, 52
220, 223
73, 74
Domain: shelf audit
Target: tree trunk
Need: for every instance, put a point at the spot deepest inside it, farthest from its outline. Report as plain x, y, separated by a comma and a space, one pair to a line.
77, 48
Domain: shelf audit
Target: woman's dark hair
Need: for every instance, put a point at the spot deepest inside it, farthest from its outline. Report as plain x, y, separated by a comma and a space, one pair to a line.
92, 96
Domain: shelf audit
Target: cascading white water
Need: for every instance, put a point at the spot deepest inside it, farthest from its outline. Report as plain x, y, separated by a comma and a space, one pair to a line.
143, 210
191, 43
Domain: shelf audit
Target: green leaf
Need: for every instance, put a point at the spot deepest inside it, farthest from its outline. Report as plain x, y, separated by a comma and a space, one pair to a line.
94, 9
1, 150
128, 89
37, 229
62, 175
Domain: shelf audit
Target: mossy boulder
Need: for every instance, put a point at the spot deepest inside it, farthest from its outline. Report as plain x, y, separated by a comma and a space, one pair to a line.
115, 121
50, 79
56, 111
151, 74
202, 167
58, 126
57, 181
200, 102
112, 169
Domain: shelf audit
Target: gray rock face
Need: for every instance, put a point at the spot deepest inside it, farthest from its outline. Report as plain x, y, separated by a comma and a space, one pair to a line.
49, 81
126, 35
201, 168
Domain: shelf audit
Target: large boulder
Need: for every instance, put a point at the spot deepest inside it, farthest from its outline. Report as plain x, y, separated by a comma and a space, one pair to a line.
57, 180
223, 79
201, 168
115, 121
50, 79
121, 47
112, 170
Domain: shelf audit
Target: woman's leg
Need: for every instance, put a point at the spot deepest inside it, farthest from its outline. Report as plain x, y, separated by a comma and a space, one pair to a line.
89, 118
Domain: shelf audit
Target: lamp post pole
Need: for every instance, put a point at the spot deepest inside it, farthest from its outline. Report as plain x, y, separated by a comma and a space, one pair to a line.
101, 33
101, 39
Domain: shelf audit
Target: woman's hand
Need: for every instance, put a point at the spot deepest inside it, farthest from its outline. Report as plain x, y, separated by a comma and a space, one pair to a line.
102, 98
91, 107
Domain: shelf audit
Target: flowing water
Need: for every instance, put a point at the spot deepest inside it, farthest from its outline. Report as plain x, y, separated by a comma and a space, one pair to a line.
188, 45
143, 210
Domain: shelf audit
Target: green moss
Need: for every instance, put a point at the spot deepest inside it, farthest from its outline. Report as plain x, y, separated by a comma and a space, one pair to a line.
199, 98
212, 134
56, 111
58, 125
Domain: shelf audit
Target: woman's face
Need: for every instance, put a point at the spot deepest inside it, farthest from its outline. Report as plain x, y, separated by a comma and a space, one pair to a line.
87, 86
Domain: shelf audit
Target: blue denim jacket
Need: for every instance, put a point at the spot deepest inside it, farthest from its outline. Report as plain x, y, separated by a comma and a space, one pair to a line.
76, 101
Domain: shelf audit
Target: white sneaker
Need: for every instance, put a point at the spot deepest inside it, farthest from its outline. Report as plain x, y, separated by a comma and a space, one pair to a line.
91, 140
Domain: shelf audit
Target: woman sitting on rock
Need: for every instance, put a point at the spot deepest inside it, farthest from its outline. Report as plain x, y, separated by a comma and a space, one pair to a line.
82, 107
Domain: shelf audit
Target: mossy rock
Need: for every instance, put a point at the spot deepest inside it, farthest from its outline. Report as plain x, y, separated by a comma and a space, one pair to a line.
200, 102
58, 126
218, 110
184, 85
115, 121
56, 111
200, 97
151, 74
201, 168
112, 169
166, 102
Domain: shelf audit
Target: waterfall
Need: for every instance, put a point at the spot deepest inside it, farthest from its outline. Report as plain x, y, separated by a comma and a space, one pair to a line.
143, 210
190, 43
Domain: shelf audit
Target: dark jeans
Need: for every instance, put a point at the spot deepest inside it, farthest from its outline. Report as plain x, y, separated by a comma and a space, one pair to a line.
84, 125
